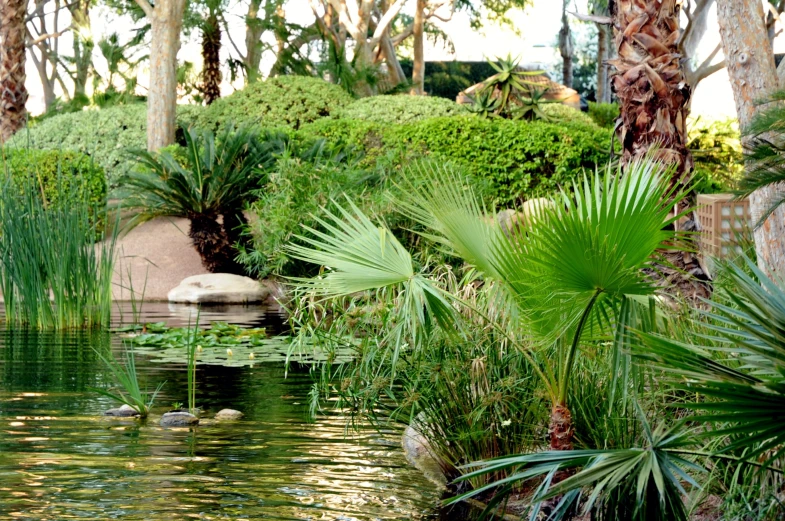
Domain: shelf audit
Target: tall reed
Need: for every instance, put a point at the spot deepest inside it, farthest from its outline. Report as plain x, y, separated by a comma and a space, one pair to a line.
52, 274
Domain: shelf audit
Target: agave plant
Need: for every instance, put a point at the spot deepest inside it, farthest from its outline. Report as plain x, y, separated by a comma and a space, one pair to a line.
208, 182
508, 91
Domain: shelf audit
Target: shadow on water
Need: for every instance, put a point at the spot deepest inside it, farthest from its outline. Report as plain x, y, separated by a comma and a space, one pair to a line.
60, 459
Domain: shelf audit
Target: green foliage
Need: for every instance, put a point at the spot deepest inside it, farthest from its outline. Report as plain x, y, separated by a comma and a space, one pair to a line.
604, 114
210, 175
57, 172
105, 135
399, 109
129, 392
52, 275
282, 102
561, 113
717, 151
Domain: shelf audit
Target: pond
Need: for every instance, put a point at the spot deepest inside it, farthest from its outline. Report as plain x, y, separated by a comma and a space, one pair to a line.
61, 459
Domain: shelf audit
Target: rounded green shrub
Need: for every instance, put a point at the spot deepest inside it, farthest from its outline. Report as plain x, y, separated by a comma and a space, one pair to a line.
559, 112
400, 109
285, 102
56, 173
513, 159
105, 135
604, 114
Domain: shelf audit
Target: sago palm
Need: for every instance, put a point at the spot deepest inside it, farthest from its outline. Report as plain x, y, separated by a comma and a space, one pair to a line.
578, 269
207, 184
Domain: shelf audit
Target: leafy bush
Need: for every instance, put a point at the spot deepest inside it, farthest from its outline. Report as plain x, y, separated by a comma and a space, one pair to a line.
716, 149
105, 135
284, 101
58, 172
517, 159
400, 109
559, 112
604, 114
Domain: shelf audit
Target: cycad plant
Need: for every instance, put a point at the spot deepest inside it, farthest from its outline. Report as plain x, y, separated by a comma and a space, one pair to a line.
207, 184
575, 273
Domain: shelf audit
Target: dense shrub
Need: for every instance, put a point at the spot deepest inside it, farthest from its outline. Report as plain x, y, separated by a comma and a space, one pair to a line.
716, 149
105, 135
559, 112
400, 109
58, 172
284, 101
517, 159
604, 114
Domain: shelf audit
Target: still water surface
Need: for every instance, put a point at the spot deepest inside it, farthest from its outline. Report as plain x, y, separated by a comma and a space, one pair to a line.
61, 459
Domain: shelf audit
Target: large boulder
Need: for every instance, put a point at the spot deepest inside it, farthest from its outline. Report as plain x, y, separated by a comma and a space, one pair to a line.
219, 288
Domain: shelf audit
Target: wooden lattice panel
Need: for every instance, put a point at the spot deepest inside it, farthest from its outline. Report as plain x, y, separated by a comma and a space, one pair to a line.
723, 220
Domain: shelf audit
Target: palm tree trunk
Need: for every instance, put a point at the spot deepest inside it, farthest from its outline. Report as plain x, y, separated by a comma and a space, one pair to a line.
565, 47
650, 84
560, 429
210, 241
211, 57
13, 94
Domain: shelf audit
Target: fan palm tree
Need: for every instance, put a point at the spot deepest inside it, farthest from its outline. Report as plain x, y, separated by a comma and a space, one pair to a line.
13, 94
206, 184
576, 269
211, 56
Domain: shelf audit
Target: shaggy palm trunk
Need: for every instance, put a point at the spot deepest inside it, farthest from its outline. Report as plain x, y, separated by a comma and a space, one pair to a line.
211, 242
649, 83
13, 94
211, 56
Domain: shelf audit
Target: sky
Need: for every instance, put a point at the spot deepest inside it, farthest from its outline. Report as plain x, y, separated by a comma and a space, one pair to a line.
537, 25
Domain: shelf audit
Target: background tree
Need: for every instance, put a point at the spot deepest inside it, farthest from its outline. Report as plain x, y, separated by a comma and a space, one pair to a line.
166, 25
566, 47
13, 94
753, 76
418, 64
652, 91
211, 56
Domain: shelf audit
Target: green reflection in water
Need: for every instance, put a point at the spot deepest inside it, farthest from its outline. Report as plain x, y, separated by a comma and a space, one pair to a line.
60, 459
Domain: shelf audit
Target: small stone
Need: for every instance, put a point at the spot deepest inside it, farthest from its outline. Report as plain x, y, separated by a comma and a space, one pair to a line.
125, 411
178, 419
228, 415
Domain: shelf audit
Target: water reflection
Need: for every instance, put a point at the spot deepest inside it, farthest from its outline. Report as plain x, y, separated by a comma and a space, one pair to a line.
59, 459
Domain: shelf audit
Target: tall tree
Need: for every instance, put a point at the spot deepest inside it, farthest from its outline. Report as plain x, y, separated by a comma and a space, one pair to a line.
649, 82
753, 76
566, 46
83, 45
211, 57
166, 24
418, 64
13, 95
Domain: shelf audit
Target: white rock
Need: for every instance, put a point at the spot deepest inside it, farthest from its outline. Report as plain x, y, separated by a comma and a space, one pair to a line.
124, 411
228, 415
418, 453
219, 288
178, 419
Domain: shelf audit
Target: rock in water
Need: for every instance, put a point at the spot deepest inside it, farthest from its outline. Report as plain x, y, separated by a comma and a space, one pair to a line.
125, 411
178, 419
228, 415
418, 453
219, 288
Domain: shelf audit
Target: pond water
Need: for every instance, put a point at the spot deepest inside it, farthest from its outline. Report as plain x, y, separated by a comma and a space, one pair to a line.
61, 459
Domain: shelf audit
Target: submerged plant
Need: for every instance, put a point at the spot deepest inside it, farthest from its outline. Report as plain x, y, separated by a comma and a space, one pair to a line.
129, 391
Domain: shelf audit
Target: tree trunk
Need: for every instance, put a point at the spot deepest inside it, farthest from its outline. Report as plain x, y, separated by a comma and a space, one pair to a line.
650, 84
166, 25
753, 76
13, 94
83, 46
394, 69
603, 93
211, 58
565, 47
254, 29
213, 246
418, 66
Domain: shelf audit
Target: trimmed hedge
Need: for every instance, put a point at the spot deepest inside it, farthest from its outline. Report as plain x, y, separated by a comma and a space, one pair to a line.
400, 109
57, 172
604, 114
105, 135
559, 112
517, 160
283, 101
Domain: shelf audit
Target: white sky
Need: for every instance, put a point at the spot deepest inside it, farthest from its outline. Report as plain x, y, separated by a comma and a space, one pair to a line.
538, 27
